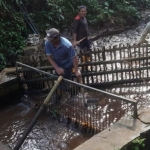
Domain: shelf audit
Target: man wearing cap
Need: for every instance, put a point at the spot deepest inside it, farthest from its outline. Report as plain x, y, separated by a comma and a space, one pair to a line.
80, 31
61, 54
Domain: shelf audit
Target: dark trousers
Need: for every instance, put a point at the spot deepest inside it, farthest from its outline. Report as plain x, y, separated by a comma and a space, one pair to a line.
64, 86
85, 44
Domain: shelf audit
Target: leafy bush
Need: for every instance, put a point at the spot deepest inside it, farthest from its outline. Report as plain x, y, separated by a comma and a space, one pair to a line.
59, 14
12, 42
138, 143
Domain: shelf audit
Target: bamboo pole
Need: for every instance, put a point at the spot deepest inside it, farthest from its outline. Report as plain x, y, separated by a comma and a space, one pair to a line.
34, 120
80, 40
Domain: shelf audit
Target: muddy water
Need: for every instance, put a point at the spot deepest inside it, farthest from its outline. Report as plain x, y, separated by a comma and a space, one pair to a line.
47, 134
137, 91
129, 36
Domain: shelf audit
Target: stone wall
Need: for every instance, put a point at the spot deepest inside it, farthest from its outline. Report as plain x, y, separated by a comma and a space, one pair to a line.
34, 55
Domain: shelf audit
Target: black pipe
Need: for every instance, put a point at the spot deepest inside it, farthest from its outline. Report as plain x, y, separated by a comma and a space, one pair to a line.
23, 7
25, 15
29, 128
31, 24
45, 103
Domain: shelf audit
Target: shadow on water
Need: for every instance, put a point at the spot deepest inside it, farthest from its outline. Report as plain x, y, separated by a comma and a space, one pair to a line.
5, 101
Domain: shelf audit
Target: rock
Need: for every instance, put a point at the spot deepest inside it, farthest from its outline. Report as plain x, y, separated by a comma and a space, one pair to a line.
115, 38
63, 145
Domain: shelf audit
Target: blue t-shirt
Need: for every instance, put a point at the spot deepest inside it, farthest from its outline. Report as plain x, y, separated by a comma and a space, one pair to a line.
63, 54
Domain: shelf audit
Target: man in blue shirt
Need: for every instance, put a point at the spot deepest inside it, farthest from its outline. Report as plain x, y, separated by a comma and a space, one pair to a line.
61, 54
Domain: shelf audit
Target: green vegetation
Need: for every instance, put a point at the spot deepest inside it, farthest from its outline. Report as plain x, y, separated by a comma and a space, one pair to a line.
59, 14
138, 143
12, 42
55, 114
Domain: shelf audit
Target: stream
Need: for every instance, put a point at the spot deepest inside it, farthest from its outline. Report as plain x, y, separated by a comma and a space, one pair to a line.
49, 133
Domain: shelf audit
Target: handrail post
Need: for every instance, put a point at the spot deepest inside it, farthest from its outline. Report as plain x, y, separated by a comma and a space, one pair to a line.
135, 111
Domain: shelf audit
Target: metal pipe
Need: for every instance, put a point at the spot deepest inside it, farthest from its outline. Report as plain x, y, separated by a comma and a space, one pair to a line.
135, 111
25, 15
81, 85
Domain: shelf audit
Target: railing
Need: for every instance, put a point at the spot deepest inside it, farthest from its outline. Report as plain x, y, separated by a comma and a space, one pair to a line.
89, 108
117, 65
114, 65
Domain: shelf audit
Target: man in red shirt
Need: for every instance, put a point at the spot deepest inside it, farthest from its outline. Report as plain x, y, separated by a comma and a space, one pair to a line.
80, 31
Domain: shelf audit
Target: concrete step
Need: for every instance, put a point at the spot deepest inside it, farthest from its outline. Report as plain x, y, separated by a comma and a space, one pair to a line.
119, 134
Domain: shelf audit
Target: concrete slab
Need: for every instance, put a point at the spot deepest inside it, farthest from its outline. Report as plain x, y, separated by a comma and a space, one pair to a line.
4, 147
144, 116
116, 136
8, 81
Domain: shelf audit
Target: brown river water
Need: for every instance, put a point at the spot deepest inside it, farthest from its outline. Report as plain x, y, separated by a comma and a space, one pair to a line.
47, 134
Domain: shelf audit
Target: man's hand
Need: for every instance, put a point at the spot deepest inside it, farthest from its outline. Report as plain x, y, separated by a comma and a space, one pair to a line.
78, 75
60, 71
74, 43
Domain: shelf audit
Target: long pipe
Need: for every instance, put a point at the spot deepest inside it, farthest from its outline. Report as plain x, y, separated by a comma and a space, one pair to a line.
33, 122
25, 15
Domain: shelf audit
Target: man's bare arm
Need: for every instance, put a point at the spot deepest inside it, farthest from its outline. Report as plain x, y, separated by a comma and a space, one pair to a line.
75, 63
74, 39
52, 62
